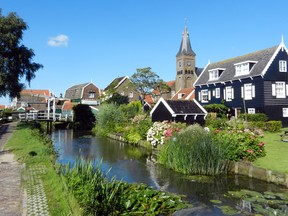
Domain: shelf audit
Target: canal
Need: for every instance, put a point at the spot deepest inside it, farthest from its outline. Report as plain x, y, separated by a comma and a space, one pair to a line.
209, 196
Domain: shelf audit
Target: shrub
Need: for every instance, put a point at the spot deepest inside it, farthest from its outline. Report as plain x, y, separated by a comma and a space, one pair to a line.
257, 117
274, 126
240, 145
215, 123
108, 119
220, 109
143, 127
84, 118
192, 151
132, 109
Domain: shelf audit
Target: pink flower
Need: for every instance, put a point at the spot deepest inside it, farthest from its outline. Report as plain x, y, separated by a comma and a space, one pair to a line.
250, 151
261, 144
217, 131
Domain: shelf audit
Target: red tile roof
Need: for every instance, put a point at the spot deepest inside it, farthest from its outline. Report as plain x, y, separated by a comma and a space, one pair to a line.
187, 94
68, 105
35, 92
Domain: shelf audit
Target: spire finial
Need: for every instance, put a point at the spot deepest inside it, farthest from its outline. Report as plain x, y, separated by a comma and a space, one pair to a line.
186, 20
282, 39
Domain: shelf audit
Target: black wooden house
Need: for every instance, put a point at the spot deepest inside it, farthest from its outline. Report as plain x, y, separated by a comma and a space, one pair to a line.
256, 82
186, 111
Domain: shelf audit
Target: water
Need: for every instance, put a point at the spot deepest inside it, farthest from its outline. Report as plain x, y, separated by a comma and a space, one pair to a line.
133, 165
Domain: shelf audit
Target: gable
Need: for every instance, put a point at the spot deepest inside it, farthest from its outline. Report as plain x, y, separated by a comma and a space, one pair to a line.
75, 92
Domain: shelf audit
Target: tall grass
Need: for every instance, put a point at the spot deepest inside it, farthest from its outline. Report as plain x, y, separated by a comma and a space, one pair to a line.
192, 151
98, 196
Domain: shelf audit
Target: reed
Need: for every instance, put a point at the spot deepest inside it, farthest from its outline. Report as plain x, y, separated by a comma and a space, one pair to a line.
192, 151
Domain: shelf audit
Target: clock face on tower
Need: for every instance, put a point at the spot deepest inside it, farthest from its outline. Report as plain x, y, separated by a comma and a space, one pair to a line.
188, 63
179, 64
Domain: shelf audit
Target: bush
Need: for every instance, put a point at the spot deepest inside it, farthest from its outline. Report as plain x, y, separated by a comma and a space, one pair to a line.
240, 145
132, 109
108, 119
143, 127
220, 109
274, 126
192, 151
215, 123
84, 118
257, 117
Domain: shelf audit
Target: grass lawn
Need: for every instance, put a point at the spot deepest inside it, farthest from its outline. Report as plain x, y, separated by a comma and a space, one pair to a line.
277, 153
33, 150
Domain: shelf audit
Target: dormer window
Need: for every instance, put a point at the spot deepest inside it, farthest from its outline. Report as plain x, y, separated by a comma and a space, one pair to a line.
244, 68
214, 74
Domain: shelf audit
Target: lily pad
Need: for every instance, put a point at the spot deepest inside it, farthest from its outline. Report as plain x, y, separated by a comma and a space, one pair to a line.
227, 210
216, 201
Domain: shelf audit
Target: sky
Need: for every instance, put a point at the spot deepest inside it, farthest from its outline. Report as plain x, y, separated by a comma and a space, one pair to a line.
99, 40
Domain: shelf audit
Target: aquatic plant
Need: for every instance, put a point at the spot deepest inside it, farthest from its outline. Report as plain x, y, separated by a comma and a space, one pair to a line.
192, 151
97, 195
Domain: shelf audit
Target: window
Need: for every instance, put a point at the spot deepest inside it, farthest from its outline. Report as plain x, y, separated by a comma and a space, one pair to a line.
251, 110
131, 95
172, 93
91, 95
248, 91
285, 112
278, 89
282, 66
205, 96
229, 93
122, 93
217, 92
180, 95
213, 74
243, 68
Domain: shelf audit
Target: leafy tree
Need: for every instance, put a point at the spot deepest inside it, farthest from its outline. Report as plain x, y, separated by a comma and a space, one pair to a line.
145, 80
15, 58
118, 99
84, 118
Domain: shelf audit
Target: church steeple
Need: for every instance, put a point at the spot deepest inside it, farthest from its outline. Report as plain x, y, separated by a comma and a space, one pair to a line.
185, 47
185, 63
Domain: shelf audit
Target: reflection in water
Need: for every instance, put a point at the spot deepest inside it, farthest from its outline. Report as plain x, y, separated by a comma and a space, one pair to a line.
133, 165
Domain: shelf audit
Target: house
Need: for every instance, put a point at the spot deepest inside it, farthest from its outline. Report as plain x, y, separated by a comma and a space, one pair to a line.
123, 86
86, 93
32, 99
187, 111
253, 83
184, 94
67, 109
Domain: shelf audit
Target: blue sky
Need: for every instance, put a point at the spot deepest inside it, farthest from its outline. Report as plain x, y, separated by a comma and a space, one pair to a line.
93, 40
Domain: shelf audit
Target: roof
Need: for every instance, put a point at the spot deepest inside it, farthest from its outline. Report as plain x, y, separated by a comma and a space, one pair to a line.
185, 47
35, 92
68, 105
75, 92
262, 58
187, 94
181, 107
115, 82
149, 99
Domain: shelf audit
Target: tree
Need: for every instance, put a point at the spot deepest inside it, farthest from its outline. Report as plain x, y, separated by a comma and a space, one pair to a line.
84, 118
145, 80
15, 58
118, 99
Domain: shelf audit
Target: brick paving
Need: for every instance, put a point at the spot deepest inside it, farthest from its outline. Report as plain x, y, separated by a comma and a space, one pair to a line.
15, 200
10, 176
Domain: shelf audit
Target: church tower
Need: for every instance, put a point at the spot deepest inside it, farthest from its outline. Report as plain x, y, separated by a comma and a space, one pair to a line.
185, 64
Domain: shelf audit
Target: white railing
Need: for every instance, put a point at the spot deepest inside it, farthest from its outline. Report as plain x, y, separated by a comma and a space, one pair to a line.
44, 116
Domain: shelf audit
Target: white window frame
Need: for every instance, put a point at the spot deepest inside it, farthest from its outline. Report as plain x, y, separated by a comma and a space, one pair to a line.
217, 93
251, 110
131, 95
282, 66
248, 91
213, 74
285, 112
229, 93
242, 69
278, 90
205, 96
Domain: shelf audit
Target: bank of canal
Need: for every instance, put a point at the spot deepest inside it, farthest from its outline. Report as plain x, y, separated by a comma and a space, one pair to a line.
209, 196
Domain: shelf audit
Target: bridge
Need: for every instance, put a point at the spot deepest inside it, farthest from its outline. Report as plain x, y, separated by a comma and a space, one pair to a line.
45, 117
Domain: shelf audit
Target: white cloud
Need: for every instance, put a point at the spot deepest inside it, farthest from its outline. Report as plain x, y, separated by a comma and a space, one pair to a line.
58, 41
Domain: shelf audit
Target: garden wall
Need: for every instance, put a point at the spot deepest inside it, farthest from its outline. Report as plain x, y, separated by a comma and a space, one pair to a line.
248, 169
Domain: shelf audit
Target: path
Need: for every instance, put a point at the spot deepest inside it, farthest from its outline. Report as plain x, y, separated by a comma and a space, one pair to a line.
10, 176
